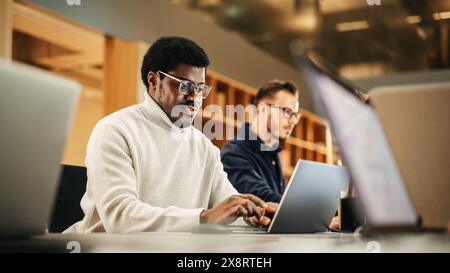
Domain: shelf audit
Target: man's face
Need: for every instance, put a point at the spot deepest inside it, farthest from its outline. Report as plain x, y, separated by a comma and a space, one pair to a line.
181, 109
279, 126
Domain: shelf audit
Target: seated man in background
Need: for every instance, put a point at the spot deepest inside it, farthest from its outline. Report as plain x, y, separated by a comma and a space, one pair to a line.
148, 168
251, 159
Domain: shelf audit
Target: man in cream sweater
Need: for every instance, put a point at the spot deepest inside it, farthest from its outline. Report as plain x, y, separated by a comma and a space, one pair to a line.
149, 169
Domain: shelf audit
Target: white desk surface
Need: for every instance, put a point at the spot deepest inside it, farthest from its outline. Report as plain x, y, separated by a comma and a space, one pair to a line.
232, 243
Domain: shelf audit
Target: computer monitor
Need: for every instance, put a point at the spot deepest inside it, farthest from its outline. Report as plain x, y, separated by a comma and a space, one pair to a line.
36, 112
365, 150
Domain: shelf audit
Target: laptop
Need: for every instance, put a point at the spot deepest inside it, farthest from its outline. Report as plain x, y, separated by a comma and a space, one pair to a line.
36, 113
309, 202
365, 151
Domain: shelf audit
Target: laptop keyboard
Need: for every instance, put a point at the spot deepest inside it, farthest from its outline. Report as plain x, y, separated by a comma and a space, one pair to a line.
249, 229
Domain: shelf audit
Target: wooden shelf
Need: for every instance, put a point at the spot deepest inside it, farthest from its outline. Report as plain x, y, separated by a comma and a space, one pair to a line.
67, 48
311, 138
106, 67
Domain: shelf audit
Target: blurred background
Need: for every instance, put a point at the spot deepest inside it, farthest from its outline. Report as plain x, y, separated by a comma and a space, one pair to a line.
360, 39
100, 43
396, 41
371, 43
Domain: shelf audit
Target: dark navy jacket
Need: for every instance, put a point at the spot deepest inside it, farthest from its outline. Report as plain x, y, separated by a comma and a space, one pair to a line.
252, 169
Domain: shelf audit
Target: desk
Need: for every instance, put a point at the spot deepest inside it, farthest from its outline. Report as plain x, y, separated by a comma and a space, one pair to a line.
240, 243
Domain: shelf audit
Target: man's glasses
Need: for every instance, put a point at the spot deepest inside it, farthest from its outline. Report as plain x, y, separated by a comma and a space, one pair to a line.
186, 88
287, 112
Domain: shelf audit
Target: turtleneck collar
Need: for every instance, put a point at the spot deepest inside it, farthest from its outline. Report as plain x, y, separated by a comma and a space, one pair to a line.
156, 114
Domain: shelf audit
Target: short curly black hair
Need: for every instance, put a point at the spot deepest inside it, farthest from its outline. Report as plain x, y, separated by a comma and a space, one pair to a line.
168, 52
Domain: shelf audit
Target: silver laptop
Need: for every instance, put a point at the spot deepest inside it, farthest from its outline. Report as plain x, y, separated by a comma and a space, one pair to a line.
36, 112
310, 200
365, 151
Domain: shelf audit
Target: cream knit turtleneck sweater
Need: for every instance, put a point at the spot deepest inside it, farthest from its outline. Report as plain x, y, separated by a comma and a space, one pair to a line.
145, 174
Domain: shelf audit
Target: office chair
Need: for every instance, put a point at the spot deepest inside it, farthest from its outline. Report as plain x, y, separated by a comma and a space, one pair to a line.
67, 210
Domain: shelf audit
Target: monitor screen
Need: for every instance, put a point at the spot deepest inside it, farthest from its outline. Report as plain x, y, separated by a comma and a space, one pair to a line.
365, 151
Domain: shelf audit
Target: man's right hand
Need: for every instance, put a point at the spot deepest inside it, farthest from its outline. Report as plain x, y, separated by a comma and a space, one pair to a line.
245, 205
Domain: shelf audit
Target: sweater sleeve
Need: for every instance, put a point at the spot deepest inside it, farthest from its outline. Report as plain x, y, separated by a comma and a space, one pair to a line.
113, 184
222, 188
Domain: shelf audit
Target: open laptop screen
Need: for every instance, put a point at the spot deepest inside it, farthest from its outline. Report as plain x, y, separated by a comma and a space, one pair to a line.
365, 151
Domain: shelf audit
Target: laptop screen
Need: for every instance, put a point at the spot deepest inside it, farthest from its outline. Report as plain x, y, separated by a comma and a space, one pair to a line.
365, 151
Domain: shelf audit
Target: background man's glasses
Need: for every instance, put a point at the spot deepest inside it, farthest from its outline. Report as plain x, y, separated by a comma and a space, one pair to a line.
186, 88
287, 112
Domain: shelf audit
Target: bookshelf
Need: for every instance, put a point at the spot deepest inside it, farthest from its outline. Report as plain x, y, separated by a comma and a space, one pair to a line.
310, 140
108, 69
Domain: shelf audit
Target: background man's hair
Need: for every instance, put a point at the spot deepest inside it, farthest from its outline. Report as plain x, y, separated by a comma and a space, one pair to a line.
270, 89
168, 52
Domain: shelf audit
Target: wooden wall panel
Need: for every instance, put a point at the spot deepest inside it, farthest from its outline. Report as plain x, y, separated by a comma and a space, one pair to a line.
6, 30
122, 74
